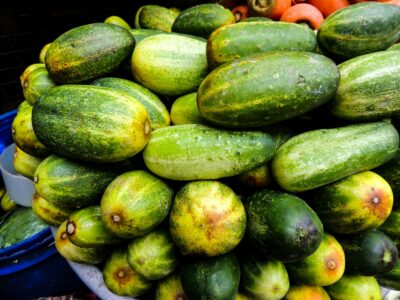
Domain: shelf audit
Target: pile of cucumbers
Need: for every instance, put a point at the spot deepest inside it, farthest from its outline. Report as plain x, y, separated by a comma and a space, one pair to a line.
194, 157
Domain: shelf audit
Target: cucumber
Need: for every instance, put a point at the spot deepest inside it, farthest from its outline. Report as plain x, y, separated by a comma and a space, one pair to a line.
395, 47
368, 87
88, 52
130, 214
24, 163
391, 280
68, 183
207, 219
23, 134
77, 254
7, 204
184, 111
355, 287
264, 279
36, 83
257, 19
282, 226
214, 278
241, 39
203, 19
302, 292
115, 20
154, 17
85, 229
158, 113
29, 70
342, 151
49, 212
257, 178
43, 52
369, 253
324, 267
190, 152
121, 279
141, 34
360, 29
170, 64
248, 92
170, 288
91, 123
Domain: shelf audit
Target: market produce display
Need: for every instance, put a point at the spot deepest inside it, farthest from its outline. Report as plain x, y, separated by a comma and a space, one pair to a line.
221, 151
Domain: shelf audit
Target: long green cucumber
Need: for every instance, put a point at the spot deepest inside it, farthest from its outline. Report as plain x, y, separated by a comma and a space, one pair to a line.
184, 111
355, 287
49, 212
154, 17
24, 163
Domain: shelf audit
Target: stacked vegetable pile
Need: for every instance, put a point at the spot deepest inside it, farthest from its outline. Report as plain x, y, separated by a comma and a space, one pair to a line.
276, 179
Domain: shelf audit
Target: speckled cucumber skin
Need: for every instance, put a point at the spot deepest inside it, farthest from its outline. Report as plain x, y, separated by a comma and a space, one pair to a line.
207, 219
368, 87
88, 52
170, 288
154, 17
256, 90
355, 287
184, 111
91, 123
203, 19
153, 255
170, 64
24, 163
121, 279
282, 226
391, 280
183, 152
324, 267
49, 212
214, 278
77, 254
23, 134
302, 292
360, 29
29, 70
85, 228
341, 152
369, 253
158, 113
68, 183
264, 279
130, 214
36, 83
358, 202
390, 171
241, 39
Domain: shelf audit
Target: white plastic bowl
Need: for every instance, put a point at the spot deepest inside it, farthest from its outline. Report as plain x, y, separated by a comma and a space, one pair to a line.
19, 188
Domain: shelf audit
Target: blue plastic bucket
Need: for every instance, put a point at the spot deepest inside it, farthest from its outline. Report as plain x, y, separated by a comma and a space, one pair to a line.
5, 129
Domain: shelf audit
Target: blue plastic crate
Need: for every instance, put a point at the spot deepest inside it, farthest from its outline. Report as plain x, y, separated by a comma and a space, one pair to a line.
5, 129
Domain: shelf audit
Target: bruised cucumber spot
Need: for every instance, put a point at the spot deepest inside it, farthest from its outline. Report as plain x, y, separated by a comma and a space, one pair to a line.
70, 227
121, 274
115, 218
331, 264
64, 236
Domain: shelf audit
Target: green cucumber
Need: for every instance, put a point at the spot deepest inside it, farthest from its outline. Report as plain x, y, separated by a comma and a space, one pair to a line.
115, 20
391, 280
68, 183
214, 278
360, 29
49, 212
355, 288
24, 163
77, 254
130, 214
193, 151
358, 202
342, 151
241, 39
264, 279
121, 279
324, 267
249, 92
85, 229
88, 52
154, 17
369, 253
153, 255
184, 111
302, 292
29, 70
170, 288
91, 123
170, 64
158, 113
368, 87
36, 83
207, 219
43, 51
23, 134
282, 226
203, 19
7, 204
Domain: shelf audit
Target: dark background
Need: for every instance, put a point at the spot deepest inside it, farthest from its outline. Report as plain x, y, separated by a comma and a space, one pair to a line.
26, 26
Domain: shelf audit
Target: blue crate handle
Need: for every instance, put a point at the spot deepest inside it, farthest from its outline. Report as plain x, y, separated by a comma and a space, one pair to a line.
5, 129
